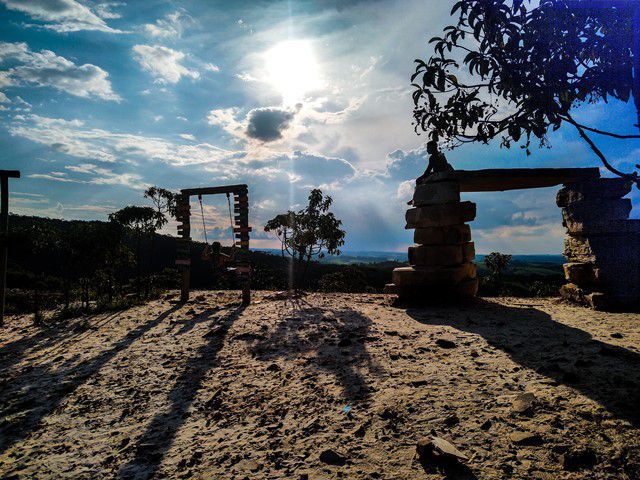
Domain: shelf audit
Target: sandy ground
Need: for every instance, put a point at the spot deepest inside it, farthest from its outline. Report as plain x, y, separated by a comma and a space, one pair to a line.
210, 390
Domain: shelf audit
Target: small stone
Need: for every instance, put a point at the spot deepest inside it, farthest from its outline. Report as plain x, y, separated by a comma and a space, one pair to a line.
446, 342
274, 367
579, 459
419, 382
438, 447
616, 335
523, 403
486, 425
525, 438
331, 457
451, 420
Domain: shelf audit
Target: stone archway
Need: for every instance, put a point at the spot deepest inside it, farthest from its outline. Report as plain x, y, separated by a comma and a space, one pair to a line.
602, 244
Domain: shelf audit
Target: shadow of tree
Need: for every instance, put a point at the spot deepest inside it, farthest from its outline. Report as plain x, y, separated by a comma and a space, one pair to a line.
35, 394
55, 335
163, 427
608, 374
337, 337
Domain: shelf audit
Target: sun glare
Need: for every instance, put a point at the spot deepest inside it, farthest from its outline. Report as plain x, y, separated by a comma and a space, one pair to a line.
292, 69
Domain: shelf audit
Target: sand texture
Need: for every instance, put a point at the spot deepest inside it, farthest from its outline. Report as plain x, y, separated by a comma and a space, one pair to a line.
321, 387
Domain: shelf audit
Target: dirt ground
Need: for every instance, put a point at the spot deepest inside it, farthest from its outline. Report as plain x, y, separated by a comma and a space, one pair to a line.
326, 386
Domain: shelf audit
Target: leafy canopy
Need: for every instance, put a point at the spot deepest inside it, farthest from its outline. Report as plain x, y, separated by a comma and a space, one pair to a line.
312, 231
497, 263
140, 220
514, 69
164, 202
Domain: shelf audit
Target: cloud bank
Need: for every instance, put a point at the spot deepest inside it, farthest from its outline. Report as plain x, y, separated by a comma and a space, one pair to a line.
46, 69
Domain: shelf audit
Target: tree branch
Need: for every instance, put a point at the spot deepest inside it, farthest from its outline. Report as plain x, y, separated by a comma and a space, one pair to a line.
595, 130
631, 176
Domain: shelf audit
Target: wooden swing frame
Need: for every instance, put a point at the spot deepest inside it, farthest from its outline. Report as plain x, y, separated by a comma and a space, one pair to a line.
241, 231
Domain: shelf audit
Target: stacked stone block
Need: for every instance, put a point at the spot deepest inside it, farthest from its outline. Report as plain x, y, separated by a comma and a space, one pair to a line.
441, 261
602, 244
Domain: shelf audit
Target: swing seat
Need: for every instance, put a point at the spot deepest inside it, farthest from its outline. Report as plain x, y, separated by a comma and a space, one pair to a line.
206, 253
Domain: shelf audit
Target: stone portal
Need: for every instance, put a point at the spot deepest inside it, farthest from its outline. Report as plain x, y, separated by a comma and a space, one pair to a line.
602, 243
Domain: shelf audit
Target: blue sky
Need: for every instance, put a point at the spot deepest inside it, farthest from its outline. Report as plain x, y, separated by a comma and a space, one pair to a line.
101, 99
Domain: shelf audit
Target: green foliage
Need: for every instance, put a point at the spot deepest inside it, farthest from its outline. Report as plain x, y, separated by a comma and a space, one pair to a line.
349, 279
514, 69
497, 263
308, 233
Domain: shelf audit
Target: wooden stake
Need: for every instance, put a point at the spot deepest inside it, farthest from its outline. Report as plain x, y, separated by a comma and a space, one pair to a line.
4, 232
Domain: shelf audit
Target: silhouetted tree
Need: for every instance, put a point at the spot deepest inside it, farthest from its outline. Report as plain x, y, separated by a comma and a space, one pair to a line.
514, 69
164, 202
497, 263
141, 222
308, 233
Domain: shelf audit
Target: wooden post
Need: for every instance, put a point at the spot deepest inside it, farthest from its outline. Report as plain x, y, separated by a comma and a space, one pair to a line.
183, 256
4, 232
242, 229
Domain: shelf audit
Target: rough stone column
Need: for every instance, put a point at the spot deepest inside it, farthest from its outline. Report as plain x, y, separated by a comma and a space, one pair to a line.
602, 245
441, 264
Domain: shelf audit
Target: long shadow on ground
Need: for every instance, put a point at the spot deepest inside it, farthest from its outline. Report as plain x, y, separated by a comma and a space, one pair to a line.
33, 395
161, 431
54, 337
337, 337
608, 374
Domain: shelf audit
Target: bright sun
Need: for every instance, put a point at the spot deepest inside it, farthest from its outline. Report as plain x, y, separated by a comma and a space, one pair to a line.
292, 69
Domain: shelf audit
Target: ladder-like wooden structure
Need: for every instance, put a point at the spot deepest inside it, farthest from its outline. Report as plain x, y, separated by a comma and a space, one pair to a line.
241, 231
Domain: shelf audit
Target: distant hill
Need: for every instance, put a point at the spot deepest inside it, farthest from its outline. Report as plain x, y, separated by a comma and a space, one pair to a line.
350, 257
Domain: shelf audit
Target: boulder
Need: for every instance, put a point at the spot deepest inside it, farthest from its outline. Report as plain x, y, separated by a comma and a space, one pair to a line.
429, 255
447, 235
390, 289
601, 188
436, 193
596, 300
440, 215
432, 276
582, 273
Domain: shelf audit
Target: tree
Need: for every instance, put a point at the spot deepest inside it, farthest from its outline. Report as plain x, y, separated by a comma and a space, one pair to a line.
515, 69
141, 222
164, 202
308, 233
497, 263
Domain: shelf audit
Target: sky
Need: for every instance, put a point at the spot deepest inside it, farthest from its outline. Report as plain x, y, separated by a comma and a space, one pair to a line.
99, 100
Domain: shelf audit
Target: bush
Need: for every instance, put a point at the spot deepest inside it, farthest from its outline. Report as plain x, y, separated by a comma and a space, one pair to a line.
349, 280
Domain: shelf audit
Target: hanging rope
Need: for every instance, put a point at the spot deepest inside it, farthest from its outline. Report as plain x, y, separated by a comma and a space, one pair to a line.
233, 239
204, 228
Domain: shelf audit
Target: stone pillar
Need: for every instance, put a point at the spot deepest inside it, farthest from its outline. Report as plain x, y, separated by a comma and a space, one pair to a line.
602, 244
441, 266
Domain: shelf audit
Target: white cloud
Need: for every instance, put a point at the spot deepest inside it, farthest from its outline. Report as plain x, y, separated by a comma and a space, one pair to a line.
171, 26
105, 10
226, 118
163, 63
187, 136
71, 138
211, 67
46, 69
65, 15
